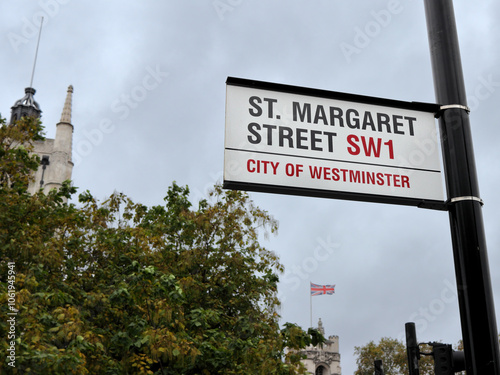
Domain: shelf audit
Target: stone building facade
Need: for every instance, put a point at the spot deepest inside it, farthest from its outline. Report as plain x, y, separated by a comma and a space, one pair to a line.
55, 154
323, 360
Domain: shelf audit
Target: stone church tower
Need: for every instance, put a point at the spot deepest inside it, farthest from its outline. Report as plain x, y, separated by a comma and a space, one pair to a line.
323, 360
55, 154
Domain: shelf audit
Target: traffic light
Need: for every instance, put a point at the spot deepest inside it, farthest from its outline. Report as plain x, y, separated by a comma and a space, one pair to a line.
446, 360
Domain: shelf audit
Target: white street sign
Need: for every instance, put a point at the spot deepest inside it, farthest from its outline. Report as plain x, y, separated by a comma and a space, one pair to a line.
294, 140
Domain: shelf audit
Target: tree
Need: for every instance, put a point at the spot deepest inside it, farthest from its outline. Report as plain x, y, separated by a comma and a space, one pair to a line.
16, 159
393, 355
120, 288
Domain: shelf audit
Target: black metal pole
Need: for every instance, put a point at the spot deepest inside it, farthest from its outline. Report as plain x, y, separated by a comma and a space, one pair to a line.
475, 296
412, 349
379, 367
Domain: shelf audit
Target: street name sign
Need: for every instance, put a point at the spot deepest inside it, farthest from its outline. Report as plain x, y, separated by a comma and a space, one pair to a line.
302, 141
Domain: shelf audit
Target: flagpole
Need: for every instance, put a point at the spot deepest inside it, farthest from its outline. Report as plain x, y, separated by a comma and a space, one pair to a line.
319, 290
310, 304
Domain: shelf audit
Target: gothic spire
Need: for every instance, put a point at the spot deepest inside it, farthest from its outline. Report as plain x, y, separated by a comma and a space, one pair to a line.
66, 112
320, 327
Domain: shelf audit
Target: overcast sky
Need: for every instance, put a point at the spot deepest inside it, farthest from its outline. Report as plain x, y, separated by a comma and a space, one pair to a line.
149, 108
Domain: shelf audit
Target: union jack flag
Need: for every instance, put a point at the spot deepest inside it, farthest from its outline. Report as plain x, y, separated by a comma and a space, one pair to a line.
318, 290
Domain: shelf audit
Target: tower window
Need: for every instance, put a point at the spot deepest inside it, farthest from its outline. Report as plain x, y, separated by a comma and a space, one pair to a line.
320, 371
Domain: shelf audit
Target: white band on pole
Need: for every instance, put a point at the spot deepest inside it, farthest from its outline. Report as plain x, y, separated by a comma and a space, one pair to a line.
450, 106
467, 198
